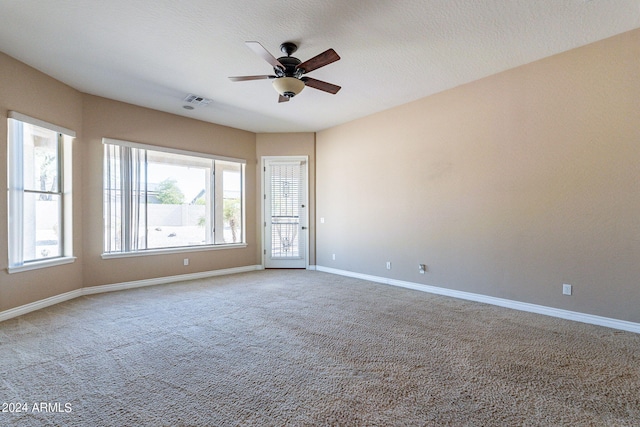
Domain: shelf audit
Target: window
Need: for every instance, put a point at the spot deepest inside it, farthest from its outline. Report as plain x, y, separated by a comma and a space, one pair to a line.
39, 177
160, 199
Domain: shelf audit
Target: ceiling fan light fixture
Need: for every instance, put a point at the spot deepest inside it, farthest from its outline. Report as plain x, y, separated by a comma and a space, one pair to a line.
288, 86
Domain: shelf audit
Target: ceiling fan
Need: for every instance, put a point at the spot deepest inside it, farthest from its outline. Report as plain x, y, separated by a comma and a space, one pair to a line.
289, 78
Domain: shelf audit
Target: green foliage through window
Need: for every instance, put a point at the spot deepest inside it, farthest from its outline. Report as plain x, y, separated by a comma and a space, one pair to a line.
169, 193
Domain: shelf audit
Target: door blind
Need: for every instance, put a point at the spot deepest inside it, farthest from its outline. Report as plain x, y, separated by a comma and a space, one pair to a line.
285, 210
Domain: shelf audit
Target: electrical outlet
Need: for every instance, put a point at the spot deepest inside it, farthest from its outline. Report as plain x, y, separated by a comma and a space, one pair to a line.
566, 289
322, 220
186, 261
422, 268
388, 265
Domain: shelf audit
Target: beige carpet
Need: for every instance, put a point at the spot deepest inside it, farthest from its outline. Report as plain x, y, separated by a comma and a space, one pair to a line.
299, 348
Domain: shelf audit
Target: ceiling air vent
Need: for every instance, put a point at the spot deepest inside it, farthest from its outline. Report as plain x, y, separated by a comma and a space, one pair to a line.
196, 101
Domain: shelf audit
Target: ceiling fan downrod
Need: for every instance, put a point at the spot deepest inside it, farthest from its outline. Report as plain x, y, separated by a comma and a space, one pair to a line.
289, 62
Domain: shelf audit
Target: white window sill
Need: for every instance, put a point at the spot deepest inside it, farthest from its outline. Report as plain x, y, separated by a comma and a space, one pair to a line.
167, 251
35, 265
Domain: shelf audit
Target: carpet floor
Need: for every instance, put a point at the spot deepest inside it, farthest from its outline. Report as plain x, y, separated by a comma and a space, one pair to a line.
302, 348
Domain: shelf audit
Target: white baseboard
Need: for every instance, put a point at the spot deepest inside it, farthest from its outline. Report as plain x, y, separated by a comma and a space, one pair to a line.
516, 305
91, 290
38, 305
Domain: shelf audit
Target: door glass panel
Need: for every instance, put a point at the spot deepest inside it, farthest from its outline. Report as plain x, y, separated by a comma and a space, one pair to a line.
285, 211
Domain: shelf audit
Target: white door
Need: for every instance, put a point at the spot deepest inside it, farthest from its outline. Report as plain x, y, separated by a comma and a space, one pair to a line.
285, 212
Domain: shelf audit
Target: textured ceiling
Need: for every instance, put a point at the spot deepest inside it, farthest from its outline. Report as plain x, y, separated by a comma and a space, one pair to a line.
154, 52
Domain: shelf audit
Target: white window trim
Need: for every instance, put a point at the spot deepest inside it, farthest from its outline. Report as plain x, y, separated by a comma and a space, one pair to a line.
130, 144
35, 265
15, 193
177, 250
37, 122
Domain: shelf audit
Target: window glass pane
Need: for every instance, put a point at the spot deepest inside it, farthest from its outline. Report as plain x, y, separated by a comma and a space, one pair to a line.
231, 200
178, 205
136, 204
42, 226
112, 200
158, 200
40, 159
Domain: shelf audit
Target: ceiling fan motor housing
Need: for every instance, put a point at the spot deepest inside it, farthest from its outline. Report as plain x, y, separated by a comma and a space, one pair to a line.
290, 63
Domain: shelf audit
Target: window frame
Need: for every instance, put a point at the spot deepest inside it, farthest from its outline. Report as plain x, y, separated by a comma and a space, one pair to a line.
17, 191
173, 249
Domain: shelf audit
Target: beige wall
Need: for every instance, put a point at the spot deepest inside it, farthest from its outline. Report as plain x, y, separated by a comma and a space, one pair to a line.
509, 186
30, 92
107, 118
290, 144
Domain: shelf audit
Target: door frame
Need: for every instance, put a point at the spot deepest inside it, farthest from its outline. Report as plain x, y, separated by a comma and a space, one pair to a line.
263, 194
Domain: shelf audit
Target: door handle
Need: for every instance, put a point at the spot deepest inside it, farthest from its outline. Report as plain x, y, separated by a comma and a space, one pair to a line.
304, 228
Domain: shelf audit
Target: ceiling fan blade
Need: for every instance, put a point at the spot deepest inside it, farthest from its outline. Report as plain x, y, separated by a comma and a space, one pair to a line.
325, 58
245, 78
264, 54
320, 85
283, 99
